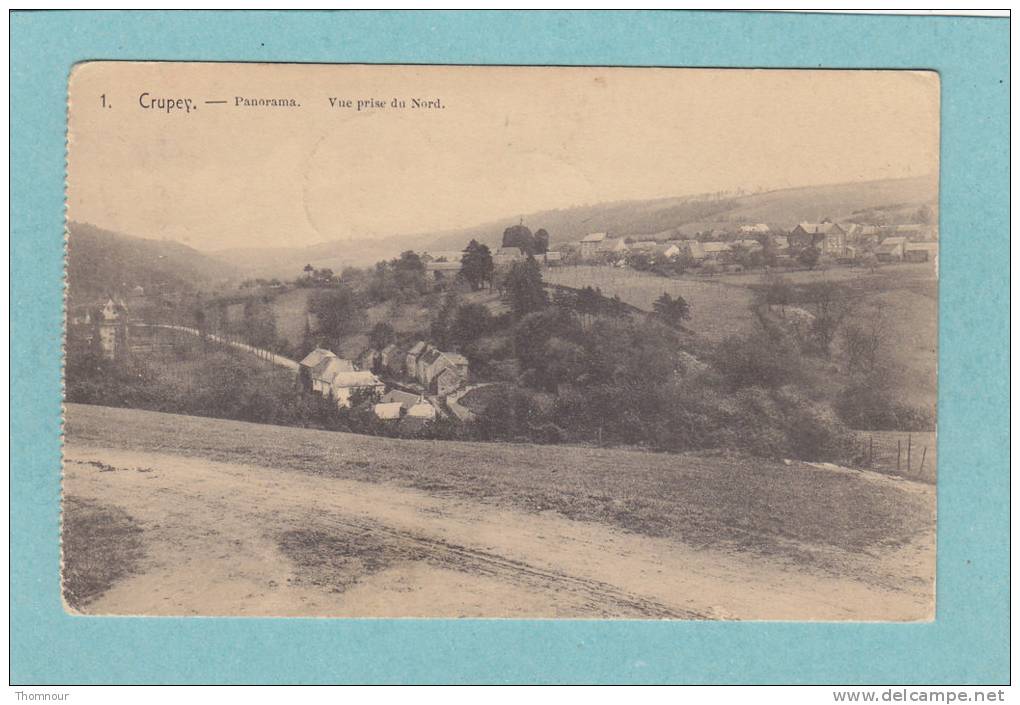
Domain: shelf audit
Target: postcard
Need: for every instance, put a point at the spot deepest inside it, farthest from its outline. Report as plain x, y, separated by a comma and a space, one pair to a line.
418, 341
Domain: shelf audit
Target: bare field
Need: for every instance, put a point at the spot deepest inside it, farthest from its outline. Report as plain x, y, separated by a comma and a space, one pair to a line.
372, 526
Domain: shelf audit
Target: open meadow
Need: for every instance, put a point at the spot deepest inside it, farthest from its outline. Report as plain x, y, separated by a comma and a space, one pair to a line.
293, 521
717, 311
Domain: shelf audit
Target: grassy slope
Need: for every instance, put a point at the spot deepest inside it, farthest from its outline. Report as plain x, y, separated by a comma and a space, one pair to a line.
905, 295
100, 544
703, 500
290, 308
716, 310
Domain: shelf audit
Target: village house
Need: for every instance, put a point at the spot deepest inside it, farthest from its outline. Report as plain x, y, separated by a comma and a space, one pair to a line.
612, 246
323, 372
344, 385
754, 229
669, 250
388, 411
112, 323
590, 244
446, 373
447, 381
103, 326
422, 409
309, 361
693, 249
369, 360
891, 249
551, 259
428, 355
828, 237
411, 358
920, 251
718, 251
862, 236
426, 363
387, 355
398, 396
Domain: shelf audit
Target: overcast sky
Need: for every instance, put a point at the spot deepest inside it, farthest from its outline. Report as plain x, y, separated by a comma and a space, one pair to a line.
508, 141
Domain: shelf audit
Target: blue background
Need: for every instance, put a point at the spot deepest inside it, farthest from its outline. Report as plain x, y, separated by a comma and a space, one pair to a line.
968, 642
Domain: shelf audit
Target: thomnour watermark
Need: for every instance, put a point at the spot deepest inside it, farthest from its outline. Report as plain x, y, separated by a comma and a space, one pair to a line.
40, 697
919, 695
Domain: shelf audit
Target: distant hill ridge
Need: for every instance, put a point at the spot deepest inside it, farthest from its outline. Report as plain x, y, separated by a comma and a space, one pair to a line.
101, 262
896, 200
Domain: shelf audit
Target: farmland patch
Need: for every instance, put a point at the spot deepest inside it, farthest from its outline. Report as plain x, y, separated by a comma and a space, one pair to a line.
717, 311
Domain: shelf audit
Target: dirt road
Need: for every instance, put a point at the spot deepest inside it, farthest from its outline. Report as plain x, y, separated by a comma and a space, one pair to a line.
234, 539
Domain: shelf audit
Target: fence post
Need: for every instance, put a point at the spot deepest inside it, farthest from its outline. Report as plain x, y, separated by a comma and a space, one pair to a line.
871, 450
898, 454
924, 452
908, 452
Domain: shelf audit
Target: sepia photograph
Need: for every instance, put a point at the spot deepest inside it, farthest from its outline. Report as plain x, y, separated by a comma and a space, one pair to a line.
423, 341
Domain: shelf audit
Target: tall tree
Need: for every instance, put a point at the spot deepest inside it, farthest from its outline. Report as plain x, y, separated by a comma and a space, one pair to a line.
525, 289
541, 241
476, 265
338, 312
409, 272
519, 236
673, 311
809, 256
471, 322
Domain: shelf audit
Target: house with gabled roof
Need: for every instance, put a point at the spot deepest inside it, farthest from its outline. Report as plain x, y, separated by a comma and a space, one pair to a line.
452, 367
424, 360
590, 244
828, 237
612, 246
892, 249
921, 251
111, 325
719, 251
313, 358
411, 358
398, 396
422, 409
693, 249
388, 411
344, 385
387, 355
323, 372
